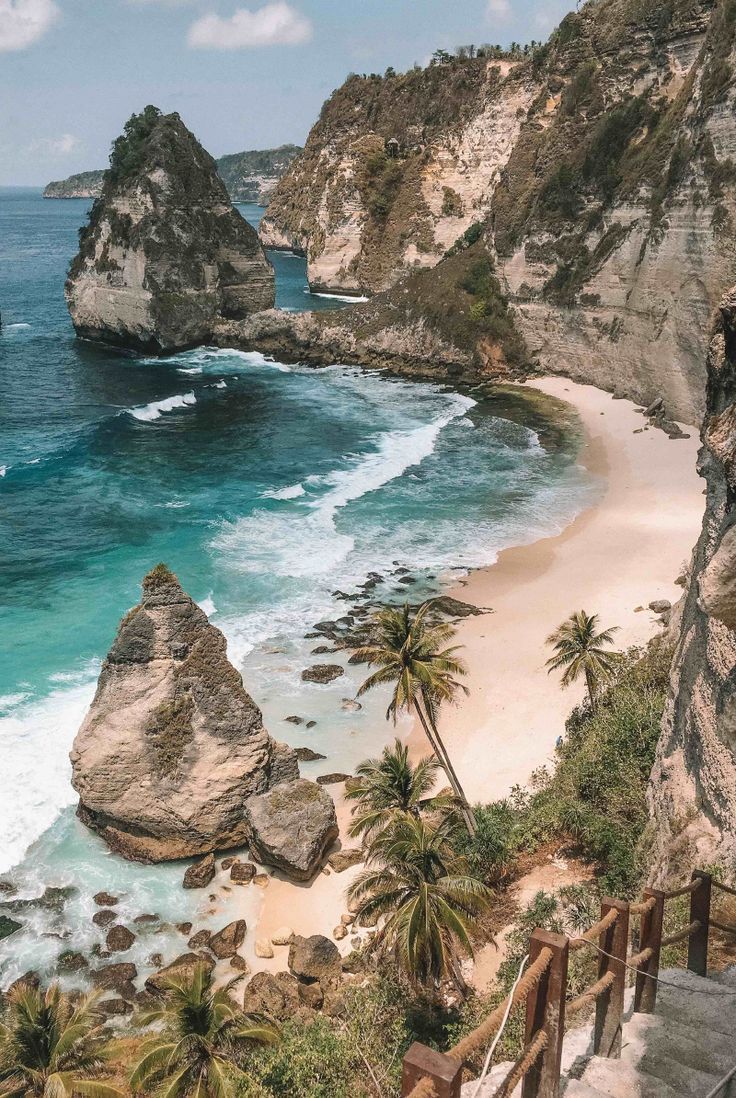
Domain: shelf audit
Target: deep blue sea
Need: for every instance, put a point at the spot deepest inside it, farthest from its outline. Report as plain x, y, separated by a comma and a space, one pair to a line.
265, 487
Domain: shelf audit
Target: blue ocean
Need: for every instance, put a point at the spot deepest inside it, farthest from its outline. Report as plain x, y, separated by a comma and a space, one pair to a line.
267, 488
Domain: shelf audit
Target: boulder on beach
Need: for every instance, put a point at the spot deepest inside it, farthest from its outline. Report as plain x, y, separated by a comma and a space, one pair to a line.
182, 967
117, 977
340, 860
119, 939
242, 872
228, 941
315, 958
291, 827
172, 745
275, 994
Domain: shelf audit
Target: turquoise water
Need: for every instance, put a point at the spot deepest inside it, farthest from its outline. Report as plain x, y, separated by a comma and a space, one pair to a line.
265, 487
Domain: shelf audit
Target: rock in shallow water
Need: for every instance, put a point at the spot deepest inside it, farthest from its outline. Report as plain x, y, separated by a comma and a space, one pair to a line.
323, 673
172, 745
291, 827
165, 254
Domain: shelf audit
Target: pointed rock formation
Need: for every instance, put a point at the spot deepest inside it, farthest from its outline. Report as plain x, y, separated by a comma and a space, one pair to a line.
172, 746
165, 253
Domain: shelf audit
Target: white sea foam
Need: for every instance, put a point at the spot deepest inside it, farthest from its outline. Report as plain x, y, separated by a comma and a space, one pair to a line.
3, 470
220, 385
208, 605
338, 297
16, 327
148, 412
293, 491
36, 738
189, 370
308, 543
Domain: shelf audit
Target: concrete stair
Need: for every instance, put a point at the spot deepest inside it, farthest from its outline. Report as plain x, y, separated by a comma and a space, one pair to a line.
681, 1051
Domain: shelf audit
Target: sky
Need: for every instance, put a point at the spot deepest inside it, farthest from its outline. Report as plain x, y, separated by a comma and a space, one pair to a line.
243, 74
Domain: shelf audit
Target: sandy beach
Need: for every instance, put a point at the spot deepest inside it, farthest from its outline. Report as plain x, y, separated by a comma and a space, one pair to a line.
615, 558
621, 554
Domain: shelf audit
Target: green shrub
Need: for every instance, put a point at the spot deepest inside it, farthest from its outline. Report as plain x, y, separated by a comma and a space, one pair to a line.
126, 156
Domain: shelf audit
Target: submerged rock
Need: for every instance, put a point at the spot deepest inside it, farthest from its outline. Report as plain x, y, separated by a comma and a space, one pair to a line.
291, 827
8, 926
323, 672
165, 253
172, 745
201, 873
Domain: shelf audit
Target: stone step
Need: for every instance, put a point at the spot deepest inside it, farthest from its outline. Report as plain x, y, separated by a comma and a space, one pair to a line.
697, 1002
648, 1052
617, 1080
697, 1047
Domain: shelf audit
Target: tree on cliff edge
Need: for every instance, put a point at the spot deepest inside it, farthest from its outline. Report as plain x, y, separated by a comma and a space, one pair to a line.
581, 650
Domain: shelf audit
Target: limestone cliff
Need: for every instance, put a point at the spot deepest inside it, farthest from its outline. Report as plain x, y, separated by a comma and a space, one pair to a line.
693, 785
396, 169
172, 746
165, 254
601, 170
252, 176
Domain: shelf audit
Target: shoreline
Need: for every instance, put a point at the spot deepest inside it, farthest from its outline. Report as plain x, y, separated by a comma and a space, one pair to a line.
613, 559
620, 553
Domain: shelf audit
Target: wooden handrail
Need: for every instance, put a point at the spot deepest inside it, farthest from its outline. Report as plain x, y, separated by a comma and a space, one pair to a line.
430, 1074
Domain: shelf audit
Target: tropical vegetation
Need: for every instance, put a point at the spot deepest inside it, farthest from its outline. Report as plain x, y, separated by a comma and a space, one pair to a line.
411, 653
202, 1043
580, 649
428, 903
53, 1047
392, 785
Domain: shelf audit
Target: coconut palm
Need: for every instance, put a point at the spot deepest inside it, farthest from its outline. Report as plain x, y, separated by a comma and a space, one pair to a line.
580, 649
430, 904
51, 1046
409, 650
391, 785
202, 1042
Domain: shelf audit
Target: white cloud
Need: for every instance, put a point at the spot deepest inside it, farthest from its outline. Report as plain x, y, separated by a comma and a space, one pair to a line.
499, 9
62, 146
275, 24
23, 22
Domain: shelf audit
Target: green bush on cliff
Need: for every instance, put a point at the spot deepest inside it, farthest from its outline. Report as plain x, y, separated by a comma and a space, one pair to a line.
126, 155
595, 799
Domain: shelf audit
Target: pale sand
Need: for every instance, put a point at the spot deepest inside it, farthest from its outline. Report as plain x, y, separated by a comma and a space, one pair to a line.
622, 553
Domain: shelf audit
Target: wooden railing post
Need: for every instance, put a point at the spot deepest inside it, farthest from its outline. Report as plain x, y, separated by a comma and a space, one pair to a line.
645, 992
545, 1009
609, 1007
697, 950
421, 1062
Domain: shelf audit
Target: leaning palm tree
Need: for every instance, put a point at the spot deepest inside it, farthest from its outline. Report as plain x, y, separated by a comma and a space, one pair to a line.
52, 1047
428, 901
409, 650
580, 650
202, 1042
391, 785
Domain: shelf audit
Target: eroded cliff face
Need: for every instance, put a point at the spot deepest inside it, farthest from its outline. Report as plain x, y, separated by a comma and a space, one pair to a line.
165, 254
396, 169
602, 171
692, 793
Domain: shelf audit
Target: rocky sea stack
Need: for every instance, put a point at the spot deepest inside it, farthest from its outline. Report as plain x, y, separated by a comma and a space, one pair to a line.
173, 746
164, 254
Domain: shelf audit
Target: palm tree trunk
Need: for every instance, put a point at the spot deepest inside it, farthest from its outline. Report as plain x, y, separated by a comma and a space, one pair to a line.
435, 740
590, 683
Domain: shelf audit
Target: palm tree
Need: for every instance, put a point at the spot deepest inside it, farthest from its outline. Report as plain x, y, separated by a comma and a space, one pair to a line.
202, 1043
429, 901
409, 651
580, 649
392, 785
52, 1047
